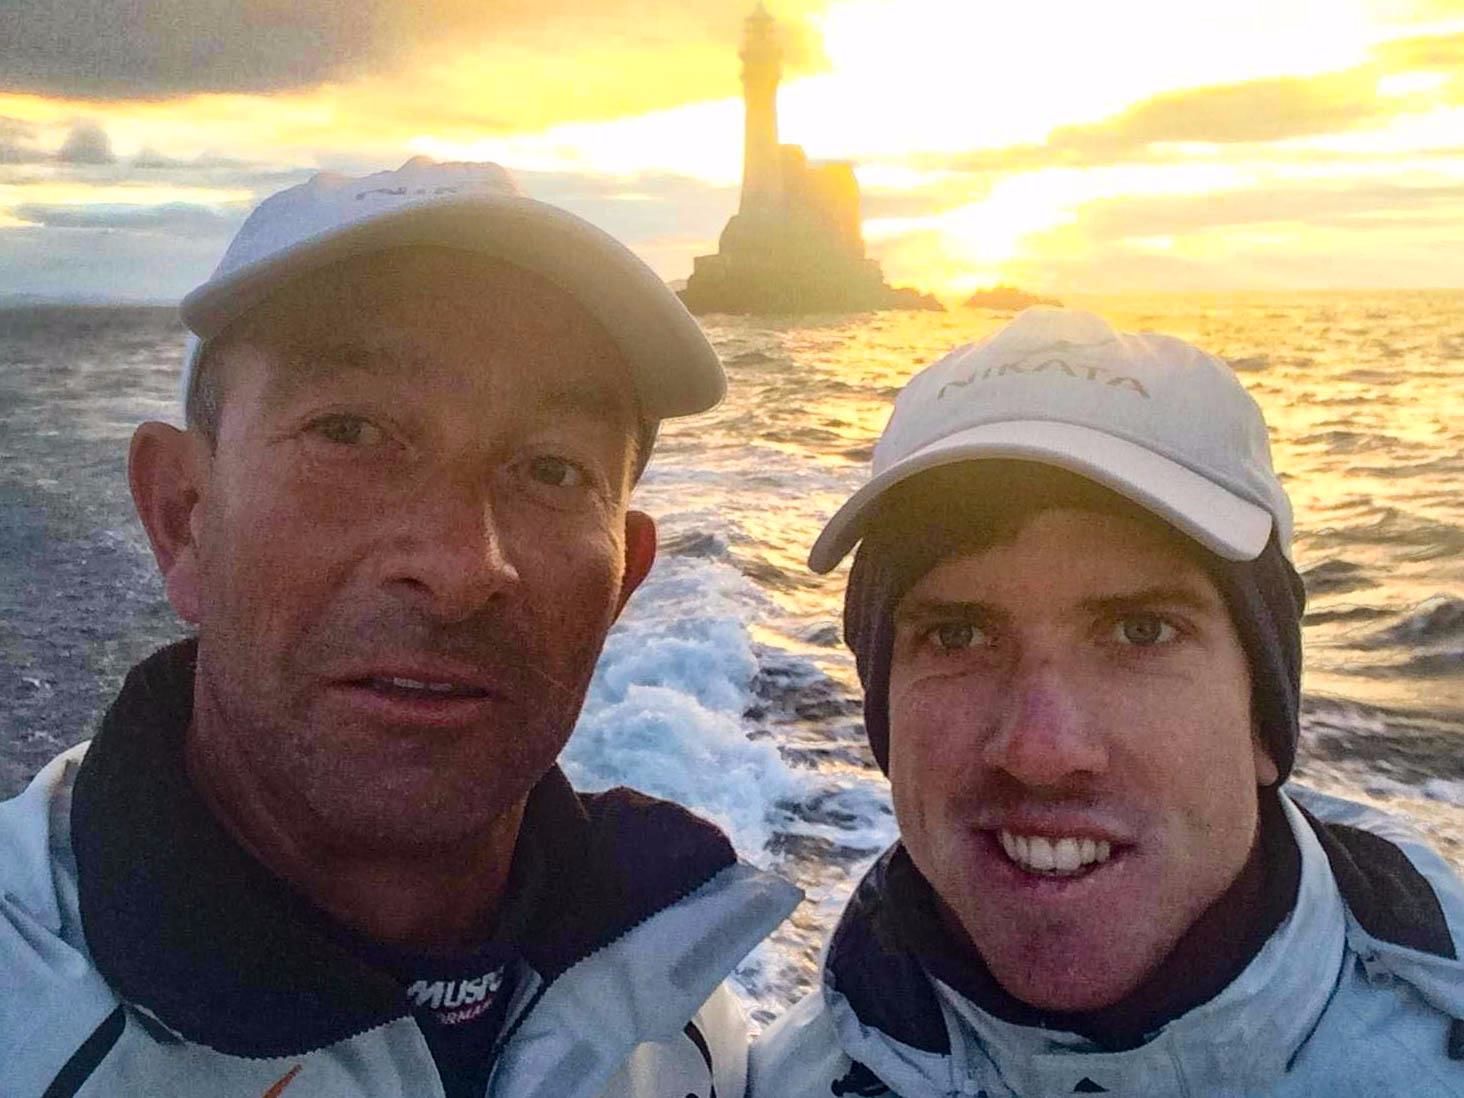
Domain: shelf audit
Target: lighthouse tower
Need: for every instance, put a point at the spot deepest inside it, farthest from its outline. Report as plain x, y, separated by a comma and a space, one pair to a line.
762, 65
794, 245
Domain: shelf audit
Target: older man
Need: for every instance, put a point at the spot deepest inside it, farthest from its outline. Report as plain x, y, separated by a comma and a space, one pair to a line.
324, 848
1076, 620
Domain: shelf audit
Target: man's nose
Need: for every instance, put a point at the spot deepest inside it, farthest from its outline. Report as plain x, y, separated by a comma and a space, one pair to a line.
451, 555
1047, 734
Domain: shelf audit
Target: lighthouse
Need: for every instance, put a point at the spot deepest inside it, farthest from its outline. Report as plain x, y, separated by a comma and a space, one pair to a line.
762, 66
794, 245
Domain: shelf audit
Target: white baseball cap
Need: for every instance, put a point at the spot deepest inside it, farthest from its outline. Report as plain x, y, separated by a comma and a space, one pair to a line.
1155, 419
472, 207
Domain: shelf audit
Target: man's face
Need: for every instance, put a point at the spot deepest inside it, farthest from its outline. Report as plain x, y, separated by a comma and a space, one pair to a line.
1071, 751
408, 546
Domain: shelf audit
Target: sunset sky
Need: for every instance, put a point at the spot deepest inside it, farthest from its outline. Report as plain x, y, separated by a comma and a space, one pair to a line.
1063, 145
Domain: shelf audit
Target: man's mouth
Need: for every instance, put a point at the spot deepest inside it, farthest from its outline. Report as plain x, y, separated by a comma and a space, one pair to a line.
1049, 856
398, 686
419, 699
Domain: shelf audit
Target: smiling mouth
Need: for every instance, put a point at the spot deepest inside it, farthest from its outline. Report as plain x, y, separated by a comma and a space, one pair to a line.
1046, 856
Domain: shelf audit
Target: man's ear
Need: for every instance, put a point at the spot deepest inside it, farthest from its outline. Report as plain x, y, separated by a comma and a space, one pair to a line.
640, 553
166, 469
1267, 772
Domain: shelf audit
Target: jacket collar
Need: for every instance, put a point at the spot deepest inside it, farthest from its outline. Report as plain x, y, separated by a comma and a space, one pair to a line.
919, 1035
184, 924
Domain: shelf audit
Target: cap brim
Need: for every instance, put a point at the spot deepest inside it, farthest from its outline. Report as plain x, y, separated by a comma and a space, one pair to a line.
1226, 524
677, 372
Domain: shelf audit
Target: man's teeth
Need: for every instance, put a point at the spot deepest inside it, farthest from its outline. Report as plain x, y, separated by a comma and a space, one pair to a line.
1056, 856
416, 684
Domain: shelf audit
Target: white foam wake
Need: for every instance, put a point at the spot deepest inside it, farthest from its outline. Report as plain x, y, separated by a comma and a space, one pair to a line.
664, 709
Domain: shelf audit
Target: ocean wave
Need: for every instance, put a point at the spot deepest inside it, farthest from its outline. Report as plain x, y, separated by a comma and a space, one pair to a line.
751, 358
805, 436
837, 823
1420, 665
789, 688
1340, 441
1418, 538
1366, 742
1249, 363
694, 543
1370, 376
774, 578
1333, 576
1397, 469
823, 635
1344, 613
1432, 622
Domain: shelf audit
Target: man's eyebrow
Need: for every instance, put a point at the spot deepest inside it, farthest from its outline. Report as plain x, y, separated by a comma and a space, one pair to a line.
1189, 596
926, 608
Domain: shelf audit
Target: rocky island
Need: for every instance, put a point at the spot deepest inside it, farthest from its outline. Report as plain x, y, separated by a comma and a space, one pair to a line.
1006, 298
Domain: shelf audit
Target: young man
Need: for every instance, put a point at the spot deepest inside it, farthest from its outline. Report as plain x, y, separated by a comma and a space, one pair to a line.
324, 848
1077, 624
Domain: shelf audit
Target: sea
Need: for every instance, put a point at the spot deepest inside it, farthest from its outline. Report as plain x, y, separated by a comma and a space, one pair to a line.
725, 686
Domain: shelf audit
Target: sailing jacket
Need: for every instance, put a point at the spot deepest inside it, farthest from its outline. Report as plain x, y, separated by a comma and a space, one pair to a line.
142, 952
1358, 992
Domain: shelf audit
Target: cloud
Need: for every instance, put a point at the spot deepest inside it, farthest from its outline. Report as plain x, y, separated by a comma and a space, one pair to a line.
946, 193
150, 158
650, 203
1351, 205
100, 263
17, 142
159, 252
87, 143
1306, 235
1304, 259
223, 172
176, 218
163, 48
1444, 52
1254, 111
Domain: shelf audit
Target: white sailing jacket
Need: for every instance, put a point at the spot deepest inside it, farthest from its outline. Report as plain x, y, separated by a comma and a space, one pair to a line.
138, 956
1358, 993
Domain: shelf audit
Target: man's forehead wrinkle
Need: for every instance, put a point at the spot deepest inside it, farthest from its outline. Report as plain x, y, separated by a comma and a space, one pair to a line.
296, 364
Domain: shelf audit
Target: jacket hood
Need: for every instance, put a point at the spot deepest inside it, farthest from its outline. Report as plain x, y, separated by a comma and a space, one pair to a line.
1405, 907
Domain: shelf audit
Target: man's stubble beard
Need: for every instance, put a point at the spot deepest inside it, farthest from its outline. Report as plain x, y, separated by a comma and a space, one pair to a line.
402, 803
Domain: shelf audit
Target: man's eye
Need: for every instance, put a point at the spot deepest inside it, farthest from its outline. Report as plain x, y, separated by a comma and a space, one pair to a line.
348, 431
556, 472
1143, 630
956, 636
